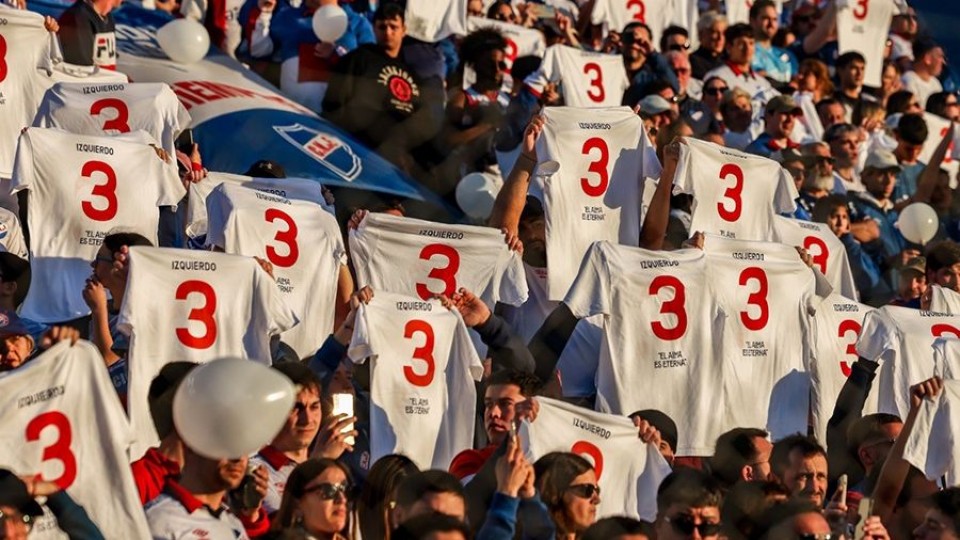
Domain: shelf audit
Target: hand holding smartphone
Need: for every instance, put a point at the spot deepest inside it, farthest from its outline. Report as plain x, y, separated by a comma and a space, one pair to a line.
343, 404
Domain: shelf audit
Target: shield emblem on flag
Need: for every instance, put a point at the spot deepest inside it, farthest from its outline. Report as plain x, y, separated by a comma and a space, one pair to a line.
325, 148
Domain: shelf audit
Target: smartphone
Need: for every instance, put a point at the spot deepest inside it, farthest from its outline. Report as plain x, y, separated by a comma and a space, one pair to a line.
246, 493
184, 142
343, 404
865, 511
842, 488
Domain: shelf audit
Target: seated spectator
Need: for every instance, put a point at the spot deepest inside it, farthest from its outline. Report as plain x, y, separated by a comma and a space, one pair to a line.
830, 112
688, 503
429, 491
316, 499
737, 112
911, 133
770, 61
912, 284
903, 102
675, 39
943, 265
710, 29
889, 82
88, 33
737, 71
845, 141
850, 69
800, 464
691, 108
813, 78
643, 64
779, 117
922, 79
742, 455
944, 105
876, 203
903, 30
379, 494
568, 486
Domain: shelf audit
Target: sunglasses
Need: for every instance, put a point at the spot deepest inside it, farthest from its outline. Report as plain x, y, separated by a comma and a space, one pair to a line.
328, 491
584, 491
715, 90
685, 525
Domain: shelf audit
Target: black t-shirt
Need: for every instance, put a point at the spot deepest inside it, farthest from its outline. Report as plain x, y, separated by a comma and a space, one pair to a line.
87, 38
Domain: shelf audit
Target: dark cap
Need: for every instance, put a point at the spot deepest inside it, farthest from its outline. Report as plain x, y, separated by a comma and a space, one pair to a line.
790, 155
266, 168
12, 325
16, 269
917, 264
664, 424
783, 104
13, 493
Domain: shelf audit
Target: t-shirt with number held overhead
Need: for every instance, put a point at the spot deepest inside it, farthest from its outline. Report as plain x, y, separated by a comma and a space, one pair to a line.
588, 79
944, 300
299, 238
604, 154
110, 109
617, 14
80, 189
423, 373
194, 306
863, 27
736, 195
62, 420
825, 249
771, 297
661, 322
934, 446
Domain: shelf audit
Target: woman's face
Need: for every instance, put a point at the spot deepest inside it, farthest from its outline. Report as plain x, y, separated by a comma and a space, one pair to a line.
323, 506
808, 81
580, 510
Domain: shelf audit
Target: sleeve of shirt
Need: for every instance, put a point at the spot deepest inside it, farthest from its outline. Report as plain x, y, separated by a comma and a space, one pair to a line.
361, 346
590, 292
261, 42
513, 284
876, 336
217, 219
930, 445
501, 518
281, 318
23, 167
785, 198
683, 178
72, 519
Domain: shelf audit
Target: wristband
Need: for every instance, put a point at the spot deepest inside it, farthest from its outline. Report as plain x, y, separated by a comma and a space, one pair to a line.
196, 166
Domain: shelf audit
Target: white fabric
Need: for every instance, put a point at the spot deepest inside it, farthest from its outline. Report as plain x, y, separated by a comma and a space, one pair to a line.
109, 109
423, 258
194, 306
770, 297
838, 323
277, 481
588, 79
920, 88
944, 300
433, 20
757, 86
862, 27
73, 73
827, 251
80, 189
901, 339
29, 54
521, 41
933, 445
299, 238
423, 397
736, 194
662, 322
290, 188
902, 48
810, 120
937, 128
596, 194
628, 470
946, 357
616, 14
11, 234
61, 419
169, 519
233, 33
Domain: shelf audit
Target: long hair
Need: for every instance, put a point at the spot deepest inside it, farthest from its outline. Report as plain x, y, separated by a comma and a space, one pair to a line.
555, 472
302, 475
373, 505
820, 72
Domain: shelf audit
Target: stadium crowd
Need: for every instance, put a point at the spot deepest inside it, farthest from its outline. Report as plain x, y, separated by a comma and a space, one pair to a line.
715, 292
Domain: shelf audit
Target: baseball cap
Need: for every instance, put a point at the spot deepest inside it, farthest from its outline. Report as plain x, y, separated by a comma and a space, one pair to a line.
664, 424
13, 493
789, 155
11, 324
653, 105
881, 160
917, 264
266, 168
783, 104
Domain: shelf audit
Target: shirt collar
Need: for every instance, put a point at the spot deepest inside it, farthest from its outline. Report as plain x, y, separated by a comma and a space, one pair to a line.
775, 146
274, 457
171, 466
748, 74
189, 502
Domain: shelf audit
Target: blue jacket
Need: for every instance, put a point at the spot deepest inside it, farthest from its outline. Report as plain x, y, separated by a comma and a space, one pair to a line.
291, 27
891, 242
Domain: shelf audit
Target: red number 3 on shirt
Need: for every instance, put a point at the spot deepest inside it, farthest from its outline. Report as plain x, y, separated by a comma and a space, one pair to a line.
598, 167
860, 10
119, 120
203, 314
106, 191
287, 238
732, 193
447, 274
674, 307
60, 449
423, 353
596, 82
847, 326
591, 451
3, 59
758, 299
640, 14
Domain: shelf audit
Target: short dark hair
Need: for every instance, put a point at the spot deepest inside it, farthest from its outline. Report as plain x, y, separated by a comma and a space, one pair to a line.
115, 241
672, 30
528, 382
15, 269
922, 46
480, 42
779, 513
912, 128
760, 4
868, 429
266, 168
937, 103
420, 527
656, 86
735, 31
848, 58
826, 206
418, 484
610, 527
161, 392
780, 458
947, 502
838, 130
744, 505
554, 473
942, 255
735, 449
389, 10
899, 101
826, 102
300, 375
689, 487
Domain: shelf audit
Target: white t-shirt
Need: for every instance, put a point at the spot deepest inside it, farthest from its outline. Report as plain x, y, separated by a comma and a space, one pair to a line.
61, 419
827, 251
736, 195
28, 54
300, 189
80, 189
596, 195
617, 14
11, 234
862, 27
662, 322
73, 73
933, 445
628, 470
195, 306
838, 323
170, 518
937, 127
901, 339
423, 397
946, 357
902, 47
434, 20
423, 258
920, 88
756, 85
278, 467
299, 238
110, 109
770, 297
521, 41
588, 79
944, 300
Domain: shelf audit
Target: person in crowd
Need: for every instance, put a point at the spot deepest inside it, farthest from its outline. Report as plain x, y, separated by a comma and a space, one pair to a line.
434, 525
903, 31
429, 491
889, 81
779, 118
830, 112
20, 511
688, 504
770, 61
850, 68
834, 210
618, 528
737, 71
568, 485
876, 203
870, 440
690, 106
18, 346
711, 27
675, 39
942, 522
943, 265
813, 78
944, 105
379, 495
742, 455
88, 33
658, 429
903, 102
844, 141
923, 77
912, 284
911, 133
644, 65
316, 500
736, 109
714, 89
745, 504
800, 463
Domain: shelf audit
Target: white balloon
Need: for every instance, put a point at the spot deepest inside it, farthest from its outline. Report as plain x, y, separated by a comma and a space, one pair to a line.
185, 41
918, 223
329, 23
231, 407
476, 192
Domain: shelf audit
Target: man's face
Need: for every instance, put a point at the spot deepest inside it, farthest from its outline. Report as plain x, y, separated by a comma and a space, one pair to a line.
102, 267
831, 114
498, 410
15, 349
766, 23
807, 477
230, 472
671, 96
936, 526
797, 170
949, 277
739, 114
741, 50
475, 8
712, 39
907, 152
389, 33
635, 43
905, 25
680, 522
935, 60
845, 147
533, 233
851, 76
811, 523
13, 527
780, 124
303, 423
912, 284
879, 183
839, 221
492, 66
681, 66
677, 42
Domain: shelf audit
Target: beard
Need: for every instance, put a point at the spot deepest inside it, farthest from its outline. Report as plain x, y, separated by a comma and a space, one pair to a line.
819, 183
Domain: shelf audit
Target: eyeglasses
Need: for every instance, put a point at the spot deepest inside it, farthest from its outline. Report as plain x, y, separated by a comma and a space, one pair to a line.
819, 536
16, 518
685, 525
328, 491
584, 491
715, 90
679, 46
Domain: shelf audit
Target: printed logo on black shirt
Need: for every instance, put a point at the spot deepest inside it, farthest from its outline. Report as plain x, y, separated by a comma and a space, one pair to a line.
401, 86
